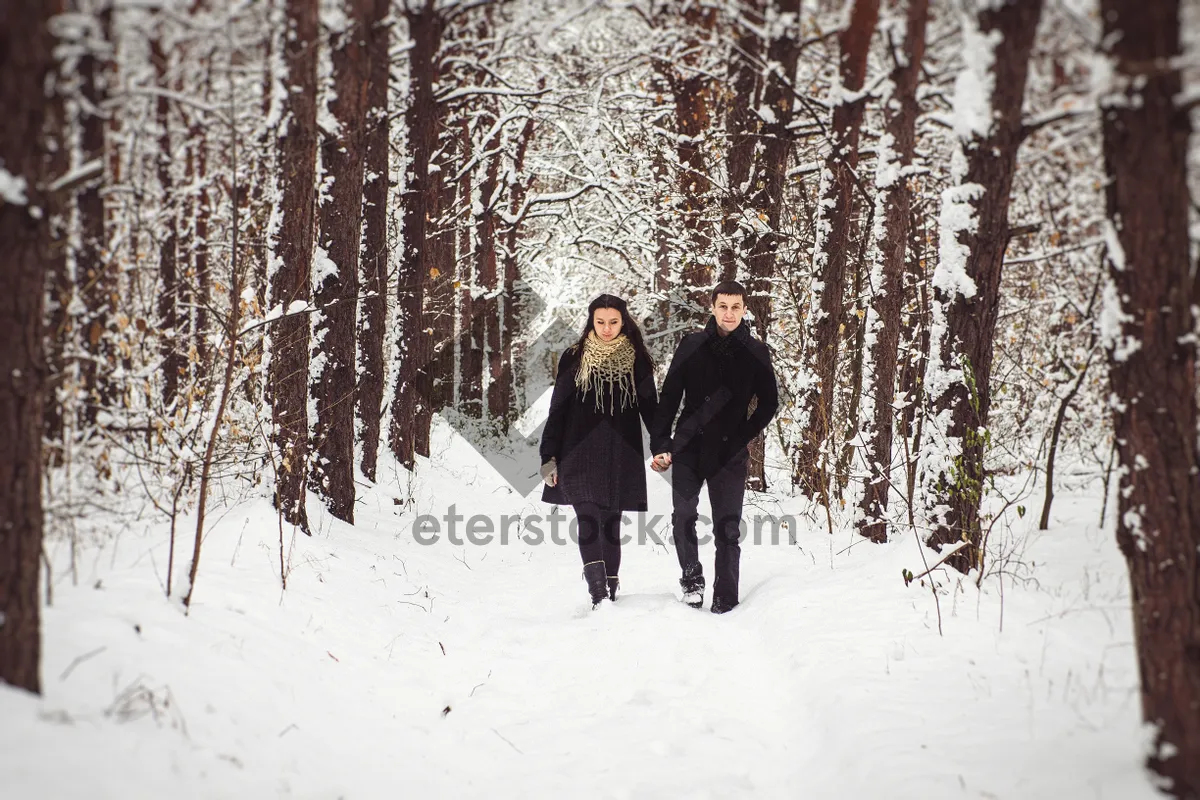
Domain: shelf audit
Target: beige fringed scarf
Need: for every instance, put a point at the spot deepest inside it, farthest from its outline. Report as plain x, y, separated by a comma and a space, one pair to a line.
607, 368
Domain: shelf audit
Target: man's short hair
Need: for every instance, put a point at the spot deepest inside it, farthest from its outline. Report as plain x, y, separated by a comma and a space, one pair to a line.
728, 287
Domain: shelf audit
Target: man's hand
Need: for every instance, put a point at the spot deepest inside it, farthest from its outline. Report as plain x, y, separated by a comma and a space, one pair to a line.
661, 462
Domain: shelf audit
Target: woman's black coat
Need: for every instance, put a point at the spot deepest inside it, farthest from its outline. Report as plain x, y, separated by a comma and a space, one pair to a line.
599, 454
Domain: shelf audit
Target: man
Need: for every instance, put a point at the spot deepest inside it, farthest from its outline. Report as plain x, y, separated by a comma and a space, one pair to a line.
715, 372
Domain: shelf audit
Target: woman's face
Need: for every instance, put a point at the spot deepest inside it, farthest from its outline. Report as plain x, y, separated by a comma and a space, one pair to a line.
607, 323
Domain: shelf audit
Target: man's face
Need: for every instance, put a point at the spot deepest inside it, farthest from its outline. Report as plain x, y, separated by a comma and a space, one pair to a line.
728, 310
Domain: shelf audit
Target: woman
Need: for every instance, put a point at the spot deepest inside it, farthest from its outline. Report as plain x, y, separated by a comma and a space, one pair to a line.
591, 447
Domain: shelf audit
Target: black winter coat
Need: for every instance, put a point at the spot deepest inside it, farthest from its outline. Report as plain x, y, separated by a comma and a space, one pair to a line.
599, 454
715, 380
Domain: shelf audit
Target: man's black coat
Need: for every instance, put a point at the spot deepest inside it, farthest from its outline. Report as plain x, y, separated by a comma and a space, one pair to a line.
715, 377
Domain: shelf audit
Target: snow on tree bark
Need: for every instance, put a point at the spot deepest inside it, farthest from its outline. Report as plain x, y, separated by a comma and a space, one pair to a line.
831, 252
1148, 325
374, 314
335, 289
414, 345
890, 240
291, 279
174, 360
94, 266
973, 237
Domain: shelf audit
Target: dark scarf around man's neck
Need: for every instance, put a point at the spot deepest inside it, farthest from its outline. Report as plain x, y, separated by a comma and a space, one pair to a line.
731, 343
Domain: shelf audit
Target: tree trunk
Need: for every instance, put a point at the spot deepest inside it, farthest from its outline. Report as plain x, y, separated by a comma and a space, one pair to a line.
93, 267
59, 285
473, 331
291, 282
511, 312
336, 291
488, 276
759, 146
414, 346
173, 356
25, 62
892, 209
1152, 369
741, 125
692, 90
967, 283
375, 250
834, 215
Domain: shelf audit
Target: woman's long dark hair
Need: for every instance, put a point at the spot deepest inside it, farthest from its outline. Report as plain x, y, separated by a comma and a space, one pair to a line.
628, 326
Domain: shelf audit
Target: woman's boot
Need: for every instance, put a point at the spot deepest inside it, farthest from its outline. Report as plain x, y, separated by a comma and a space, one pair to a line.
593, 573
613, 584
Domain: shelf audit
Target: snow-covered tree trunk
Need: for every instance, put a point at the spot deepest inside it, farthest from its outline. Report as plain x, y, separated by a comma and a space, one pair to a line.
972, 239
489, 198
335, 273
25, 63
831, 252
174, 360
95, 277
691, 89
766, 191
741, 128
59, 284
414, 346
291, 272
519, 185
373, 317
1148, 325
889, 245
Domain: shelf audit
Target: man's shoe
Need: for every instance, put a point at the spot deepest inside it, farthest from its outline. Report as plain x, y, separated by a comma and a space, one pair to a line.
692, 584
720, 606
593, 573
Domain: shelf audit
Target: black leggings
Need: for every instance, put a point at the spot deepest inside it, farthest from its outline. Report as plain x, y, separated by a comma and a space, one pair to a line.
599, 536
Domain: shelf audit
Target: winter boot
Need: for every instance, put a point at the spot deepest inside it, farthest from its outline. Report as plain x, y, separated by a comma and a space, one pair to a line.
613, 584
593, 573
720, 605
692, 584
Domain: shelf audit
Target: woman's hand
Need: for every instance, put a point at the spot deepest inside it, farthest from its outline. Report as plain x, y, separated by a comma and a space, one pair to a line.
661, 462
550, 472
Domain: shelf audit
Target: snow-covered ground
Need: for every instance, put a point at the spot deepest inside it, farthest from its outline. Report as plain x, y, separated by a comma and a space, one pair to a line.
392, 669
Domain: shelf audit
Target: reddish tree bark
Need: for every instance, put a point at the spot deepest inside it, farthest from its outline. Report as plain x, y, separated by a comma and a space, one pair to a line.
766, 193
1152, 370
59, 285
692, 93
288, 373
375, 249
834, 215
900, 116
25, 62
174, 360
510, 313
473, 326
93, 268
336, 295
971, 322
410, 405
741, 124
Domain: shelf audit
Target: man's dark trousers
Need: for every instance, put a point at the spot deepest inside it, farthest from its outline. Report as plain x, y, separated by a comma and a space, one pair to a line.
726, 490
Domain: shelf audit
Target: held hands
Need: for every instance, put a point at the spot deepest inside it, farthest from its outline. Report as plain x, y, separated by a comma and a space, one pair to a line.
550, 472
661, 462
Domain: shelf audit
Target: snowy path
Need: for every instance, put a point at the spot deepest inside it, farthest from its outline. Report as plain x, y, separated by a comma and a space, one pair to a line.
829, 681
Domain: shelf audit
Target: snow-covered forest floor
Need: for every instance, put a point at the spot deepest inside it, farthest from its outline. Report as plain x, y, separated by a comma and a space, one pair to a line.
393, 669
